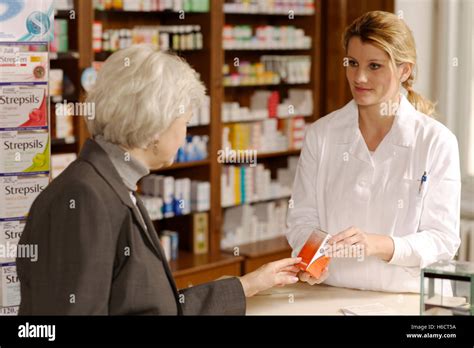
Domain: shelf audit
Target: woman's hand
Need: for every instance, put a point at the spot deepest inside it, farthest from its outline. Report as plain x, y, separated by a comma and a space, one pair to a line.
278, 273
308, 278
364, 244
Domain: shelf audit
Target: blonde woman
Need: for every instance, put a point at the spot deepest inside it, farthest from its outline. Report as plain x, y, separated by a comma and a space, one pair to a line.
380, 175
99, 253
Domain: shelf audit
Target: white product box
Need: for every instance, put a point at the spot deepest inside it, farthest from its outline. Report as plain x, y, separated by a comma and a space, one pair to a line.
23, 106
9, 285
24, 151
166, 244
60, 162
166, 188
17, 193
27, 20
18, 65
10, 233
200, 196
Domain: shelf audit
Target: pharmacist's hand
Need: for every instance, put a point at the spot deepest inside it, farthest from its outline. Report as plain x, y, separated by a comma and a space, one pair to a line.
281, 272
308, 278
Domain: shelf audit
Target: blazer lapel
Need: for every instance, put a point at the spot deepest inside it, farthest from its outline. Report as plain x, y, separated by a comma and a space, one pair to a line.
148, 228
98, 158
153, 235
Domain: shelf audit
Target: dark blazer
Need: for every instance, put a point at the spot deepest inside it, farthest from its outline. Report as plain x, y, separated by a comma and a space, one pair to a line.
95, 256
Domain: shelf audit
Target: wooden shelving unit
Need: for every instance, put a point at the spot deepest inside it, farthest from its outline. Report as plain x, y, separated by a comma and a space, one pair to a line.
188, 268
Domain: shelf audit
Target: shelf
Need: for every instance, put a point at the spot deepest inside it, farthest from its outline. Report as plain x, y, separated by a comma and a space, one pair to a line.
63, 141
256, 202
263, 247
281, 84
63, 55
101, 13
259, 50
285, 14
292, 152
264, 119
183, 165
180, 216
189, 263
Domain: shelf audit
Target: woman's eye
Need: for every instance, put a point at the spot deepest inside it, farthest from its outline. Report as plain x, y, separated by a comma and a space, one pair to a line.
352, 63
374, 66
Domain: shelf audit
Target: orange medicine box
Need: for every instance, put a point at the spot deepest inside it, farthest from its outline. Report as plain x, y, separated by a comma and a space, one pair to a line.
313, 259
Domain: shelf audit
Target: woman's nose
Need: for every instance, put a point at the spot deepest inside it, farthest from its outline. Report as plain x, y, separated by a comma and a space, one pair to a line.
360, 76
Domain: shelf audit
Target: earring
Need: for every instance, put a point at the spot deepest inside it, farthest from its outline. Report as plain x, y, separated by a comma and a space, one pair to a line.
155, 147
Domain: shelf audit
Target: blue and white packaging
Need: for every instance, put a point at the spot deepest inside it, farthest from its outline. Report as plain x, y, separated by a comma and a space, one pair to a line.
173, 243
26, 20
166, 187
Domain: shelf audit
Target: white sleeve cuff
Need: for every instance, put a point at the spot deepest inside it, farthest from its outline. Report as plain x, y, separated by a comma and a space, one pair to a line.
403, 254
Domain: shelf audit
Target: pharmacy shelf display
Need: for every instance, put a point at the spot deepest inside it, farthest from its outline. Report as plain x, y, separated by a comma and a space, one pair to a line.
24, 133
271, 78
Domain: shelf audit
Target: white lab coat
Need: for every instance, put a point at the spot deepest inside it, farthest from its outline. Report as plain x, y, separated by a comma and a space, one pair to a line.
339, 184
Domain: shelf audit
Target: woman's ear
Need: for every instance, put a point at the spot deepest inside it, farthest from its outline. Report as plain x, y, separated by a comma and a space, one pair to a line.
405, 70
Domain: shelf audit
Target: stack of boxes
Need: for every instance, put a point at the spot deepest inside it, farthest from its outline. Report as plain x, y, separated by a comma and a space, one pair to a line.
270, 135
248, 223
247, 184
24, 150
165, 196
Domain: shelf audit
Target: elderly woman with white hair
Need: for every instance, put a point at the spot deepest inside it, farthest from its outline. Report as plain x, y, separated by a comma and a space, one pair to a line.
98, 250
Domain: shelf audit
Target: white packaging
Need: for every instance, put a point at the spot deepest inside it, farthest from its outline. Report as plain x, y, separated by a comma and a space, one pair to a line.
186, 192
24, 151
166, 187
18, 65
10, 233
200, 196
166, 244
205, 114
23, 106
17, 193
27, 20
60, 162
56, 77
9, 285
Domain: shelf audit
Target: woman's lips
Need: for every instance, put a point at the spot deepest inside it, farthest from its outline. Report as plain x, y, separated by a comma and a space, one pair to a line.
362, 90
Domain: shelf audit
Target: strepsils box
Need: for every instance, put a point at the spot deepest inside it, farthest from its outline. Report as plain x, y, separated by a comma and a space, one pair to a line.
17, 193
24, 151
10, 233
23, 106
9, 285
19, 65
26, 20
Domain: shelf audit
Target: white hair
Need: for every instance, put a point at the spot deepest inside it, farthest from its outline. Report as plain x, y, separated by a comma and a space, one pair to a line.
139, 92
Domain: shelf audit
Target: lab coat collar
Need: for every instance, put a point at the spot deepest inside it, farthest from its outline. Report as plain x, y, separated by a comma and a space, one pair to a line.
402, 133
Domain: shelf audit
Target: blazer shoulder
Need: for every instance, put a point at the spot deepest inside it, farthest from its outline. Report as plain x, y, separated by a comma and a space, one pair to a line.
79, 179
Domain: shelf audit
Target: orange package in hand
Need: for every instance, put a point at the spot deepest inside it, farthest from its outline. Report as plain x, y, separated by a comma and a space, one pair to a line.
313, 259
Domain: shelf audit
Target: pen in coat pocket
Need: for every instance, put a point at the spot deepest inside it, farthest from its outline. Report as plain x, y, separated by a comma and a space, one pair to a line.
423, 179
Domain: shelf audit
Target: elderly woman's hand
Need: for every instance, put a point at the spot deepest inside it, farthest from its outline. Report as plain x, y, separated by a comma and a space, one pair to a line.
278, 273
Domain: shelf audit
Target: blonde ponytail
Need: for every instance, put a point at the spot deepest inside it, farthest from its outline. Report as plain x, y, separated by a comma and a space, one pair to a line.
422, 104
391, 34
